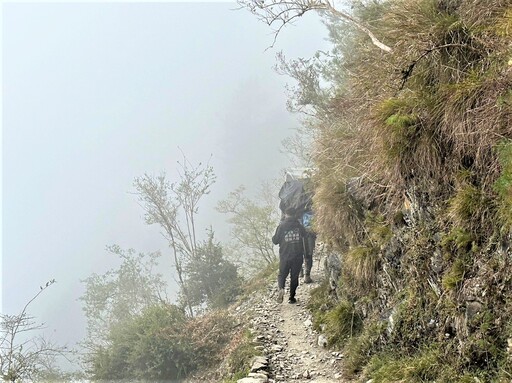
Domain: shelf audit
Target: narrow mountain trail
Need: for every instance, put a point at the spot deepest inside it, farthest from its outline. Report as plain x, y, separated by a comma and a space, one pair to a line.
284, 333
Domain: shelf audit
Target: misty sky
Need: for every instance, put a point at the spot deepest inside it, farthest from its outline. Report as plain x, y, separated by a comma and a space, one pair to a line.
97, 94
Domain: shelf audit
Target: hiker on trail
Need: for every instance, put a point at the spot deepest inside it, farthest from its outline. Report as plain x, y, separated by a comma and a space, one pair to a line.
309, 245
289, 236
297, 193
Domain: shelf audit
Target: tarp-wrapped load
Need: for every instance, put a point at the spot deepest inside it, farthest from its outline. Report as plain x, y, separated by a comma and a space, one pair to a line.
293, 195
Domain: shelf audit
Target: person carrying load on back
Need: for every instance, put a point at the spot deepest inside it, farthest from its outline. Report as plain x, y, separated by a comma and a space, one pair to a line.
289, 236
297, 193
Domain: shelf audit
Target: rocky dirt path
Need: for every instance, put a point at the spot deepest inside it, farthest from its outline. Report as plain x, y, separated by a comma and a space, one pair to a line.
294, 351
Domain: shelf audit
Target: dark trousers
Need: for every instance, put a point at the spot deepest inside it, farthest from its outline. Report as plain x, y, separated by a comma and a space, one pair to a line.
289, 265
309, 247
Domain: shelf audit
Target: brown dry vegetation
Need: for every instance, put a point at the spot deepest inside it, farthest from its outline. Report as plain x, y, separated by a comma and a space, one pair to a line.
422, 138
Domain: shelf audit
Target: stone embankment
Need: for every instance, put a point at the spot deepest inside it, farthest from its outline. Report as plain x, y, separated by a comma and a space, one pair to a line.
292, 351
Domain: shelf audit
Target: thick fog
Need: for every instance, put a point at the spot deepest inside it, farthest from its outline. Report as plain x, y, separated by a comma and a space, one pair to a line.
97, 94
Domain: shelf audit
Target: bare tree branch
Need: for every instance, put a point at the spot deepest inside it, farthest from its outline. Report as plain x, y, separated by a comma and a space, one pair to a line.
283, 12
23, 359
165, 203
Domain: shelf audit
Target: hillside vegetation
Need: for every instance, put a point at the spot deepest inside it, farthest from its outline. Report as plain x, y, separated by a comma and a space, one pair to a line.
413, 151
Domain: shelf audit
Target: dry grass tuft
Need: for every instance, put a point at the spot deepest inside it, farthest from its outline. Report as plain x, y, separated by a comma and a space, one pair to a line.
503, 187
361, 266
210, 334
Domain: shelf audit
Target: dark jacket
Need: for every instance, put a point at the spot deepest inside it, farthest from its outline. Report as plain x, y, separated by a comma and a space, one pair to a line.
289, 236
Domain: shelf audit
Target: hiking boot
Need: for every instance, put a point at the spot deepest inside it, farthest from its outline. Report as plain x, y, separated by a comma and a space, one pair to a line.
292, 300
280, 296
307, 279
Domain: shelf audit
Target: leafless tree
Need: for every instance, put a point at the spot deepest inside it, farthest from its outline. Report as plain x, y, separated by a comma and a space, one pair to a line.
166, 203
23, 356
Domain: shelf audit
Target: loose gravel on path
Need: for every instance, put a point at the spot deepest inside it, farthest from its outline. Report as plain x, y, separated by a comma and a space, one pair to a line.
286, 336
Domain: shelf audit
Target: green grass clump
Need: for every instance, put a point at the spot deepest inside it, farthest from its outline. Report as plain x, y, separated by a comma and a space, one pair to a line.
401, 121
455, 275
359, 349
505, 100
503, 26
457, 239
503, 185
466, 206
319, 304
421, 367
379, 232
400, 127
240, 356
319, 299
341, 323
